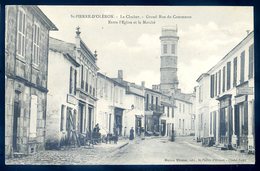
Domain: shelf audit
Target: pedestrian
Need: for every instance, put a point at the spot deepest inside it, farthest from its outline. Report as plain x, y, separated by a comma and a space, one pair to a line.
131, 133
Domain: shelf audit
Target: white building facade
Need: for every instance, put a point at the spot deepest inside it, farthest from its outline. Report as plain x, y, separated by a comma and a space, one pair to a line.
230, 101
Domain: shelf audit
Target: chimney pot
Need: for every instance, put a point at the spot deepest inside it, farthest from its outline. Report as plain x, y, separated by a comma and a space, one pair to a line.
143, 83
120, 74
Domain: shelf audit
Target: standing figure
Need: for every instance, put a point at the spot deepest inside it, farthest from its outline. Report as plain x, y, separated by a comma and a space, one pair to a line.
131, 133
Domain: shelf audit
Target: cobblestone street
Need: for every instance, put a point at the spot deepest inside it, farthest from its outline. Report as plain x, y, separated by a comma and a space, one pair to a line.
72, 156
153, 150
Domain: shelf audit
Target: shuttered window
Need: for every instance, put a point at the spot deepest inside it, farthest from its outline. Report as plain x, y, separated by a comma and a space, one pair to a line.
219, 81
36, 44
242, 67
228, 75
21, 33
251, 61
212, 86
235, 72
224, 78
70, 86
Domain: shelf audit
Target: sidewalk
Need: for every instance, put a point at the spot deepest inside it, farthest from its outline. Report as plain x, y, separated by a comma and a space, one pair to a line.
83, 155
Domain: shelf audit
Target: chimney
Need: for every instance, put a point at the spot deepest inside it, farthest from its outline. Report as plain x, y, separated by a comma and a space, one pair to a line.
120, 74
143, 83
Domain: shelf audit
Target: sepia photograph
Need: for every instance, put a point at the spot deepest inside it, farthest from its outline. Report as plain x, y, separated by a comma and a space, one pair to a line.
129, 85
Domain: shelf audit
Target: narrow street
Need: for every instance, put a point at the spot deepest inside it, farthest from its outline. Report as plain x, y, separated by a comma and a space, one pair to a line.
152, 150
183, 151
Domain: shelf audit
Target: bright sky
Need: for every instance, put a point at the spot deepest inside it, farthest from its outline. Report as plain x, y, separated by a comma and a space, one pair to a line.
205, 38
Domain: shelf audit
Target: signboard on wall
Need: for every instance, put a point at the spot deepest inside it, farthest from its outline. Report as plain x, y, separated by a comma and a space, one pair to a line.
245, 91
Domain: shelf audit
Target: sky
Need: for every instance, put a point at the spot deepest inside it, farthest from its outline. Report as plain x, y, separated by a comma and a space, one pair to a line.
206, 35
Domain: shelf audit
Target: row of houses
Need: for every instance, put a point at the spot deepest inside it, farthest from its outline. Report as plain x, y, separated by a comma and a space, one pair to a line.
225, 100
55, 94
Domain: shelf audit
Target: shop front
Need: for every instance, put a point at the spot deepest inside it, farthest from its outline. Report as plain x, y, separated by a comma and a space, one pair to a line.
225, 121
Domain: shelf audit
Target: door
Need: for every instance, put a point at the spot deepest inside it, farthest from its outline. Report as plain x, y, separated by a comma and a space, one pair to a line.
163, 122
138, 124
90, 119
15, 125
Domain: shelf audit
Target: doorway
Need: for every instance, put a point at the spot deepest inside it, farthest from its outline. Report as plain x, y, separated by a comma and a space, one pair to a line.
138, 125
163, 122
15, 120
90, 111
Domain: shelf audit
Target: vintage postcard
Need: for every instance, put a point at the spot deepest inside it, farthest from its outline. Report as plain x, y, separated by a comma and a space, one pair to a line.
129, 85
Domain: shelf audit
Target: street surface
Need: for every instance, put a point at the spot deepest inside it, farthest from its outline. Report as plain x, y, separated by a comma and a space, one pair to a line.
152, 150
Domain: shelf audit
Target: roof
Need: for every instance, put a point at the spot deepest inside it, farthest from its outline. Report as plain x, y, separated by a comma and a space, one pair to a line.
110, 79
43, 17
183, 97
230, 52
62, 47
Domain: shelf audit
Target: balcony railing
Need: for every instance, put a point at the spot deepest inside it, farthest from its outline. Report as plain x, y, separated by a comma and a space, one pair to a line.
155, 108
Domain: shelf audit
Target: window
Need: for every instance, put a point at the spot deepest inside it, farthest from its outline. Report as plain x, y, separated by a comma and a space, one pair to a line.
82, 77
121, 96
228, 75
200, 94
173, 48
62, 119
33, 116
147, 101
71, 80
75, 81
251, 61
86, 86
172, 112
242, 67
156, 103
212, 86
224, 78
235, 72
165, 49
183, 108
152, 103
168, 111
36, 44
21, 33
216, 84
179, 107
179, 123
219, 81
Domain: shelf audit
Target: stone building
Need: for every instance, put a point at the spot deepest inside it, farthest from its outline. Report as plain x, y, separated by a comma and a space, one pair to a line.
71, 108
26, 66
230, 101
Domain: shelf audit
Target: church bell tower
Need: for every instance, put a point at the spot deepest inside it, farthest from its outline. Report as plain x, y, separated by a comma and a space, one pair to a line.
169, 55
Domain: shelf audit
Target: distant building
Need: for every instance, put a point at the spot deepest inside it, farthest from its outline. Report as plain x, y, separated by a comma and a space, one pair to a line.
228, 91
110, 105
134, 102
185, 114
26, 66
167, 119
71, 108
153, 111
